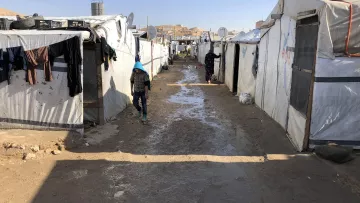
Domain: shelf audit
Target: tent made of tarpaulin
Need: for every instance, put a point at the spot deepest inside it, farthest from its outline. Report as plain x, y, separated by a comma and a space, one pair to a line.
113, 84
46, 105
334, 23
246, 78
245, 60
230, 65
284, 66
219, 72
203, 49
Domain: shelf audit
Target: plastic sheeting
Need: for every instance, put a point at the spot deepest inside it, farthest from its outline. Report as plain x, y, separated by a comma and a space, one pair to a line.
334, 22
115, 81
217, 62
296, 128
336, 106
274, 75
251, 37
246, 79
229, 66
42, 106
203, 50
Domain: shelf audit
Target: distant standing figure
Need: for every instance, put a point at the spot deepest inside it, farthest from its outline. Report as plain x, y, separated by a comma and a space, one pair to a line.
140, 85
209, 64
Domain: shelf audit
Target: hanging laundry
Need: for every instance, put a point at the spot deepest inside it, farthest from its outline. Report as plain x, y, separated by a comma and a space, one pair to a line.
34, 59
3, 67
72, 55
107, 53
16, 60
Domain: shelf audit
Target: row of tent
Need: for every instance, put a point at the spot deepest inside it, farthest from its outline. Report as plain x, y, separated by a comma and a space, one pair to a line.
106, 91
302, 68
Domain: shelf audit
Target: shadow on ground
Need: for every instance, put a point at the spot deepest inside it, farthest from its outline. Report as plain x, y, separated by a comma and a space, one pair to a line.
289, 180
226, 127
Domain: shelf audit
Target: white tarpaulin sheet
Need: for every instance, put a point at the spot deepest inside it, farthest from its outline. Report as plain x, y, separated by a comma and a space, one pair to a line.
115, 81
274, 74
336, 106
246, 79
145, 54
334, 23
46, 105
203, 50
252, 36
217, 62
229, 65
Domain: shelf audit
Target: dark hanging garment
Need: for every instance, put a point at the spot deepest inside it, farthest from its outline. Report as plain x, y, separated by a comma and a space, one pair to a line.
73, 58
72, 55
34, 59
107, 53
56, 50
3, 66
256, 62
16, 60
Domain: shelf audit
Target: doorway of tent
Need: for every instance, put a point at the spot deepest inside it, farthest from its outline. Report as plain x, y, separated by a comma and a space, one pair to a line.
303, 69
236, 68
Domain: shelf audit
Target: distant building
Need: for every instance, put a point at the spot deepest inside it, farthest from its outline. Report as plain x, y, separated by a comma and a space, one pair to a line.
259, 24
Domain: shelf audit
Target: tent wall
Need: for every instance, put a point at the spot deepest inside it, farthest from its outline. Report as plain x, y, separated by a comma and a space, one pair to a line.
217, 63
45, 105
336, 107
145, 54
274, 73
203, 50
229, 66
115, 80
246, 80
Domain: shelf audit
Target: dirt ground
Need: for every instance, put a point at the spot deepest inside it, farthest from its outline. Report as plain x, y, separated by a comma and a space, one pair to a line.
200, 145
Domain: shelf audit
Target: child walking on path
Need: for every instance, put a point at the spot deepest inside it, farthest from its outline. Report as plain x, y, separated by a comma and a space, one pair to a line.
140, 85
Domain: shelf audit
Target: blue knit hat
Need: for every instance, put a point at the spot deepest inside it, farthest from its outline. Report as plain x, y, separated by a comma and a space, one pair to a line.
138, 65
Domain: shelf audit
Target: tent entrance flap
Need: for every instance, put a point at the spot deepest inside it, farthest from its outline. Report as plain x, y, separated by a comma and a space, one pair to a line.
236, 68
304, 63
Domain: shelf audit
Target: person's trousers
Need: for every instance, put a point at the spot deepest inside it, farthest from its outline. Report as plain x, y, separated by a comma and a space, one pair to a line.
136, 97
208, 74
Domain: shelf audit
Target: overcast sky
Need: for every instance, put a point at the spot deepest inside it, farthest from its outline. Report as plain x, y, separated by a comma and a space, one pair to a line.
232, 14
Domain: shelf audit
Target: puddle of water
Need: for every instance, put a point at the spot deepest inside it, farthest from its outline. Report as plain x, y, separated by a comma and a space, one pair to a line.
193, 99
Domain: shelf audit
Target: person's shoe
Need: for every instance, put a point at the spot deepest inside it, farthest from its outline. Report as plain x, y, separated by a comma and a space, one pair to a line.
144, 119
139, 114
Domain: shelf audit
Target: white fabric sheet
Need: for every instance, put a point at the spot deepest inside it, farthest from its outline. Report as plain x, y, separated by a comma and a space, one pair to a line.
274, 74
229, 66
115, 81
46, 105
246, 79
336, 106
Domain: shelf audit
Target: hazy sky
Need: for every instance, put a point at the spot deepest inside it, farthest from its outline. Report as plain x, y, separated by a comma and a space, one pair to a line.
232, 14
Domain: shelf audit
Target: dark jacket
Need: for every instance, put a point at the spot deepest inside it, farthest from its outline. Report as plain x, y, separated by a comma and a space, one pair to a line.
209, 60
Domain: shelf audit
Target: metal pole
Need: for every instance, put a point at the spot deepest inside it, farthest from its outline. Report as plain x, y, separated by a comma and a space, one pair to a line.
147, 28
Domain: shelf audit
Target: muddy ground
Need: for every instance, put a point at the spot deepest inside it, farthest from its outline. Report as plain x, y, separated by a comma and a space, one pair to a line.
200, 145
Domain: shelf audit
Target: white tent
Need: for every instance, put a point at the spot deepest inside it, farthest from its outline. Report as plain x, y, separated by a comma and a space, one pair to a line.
229, 65
246, 78
309, 98
245, 57
105, 92
46, 105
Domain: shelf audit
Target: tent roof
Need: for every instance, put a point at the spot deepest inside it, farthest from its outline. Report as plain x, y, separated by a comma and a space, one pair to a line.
252, 36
